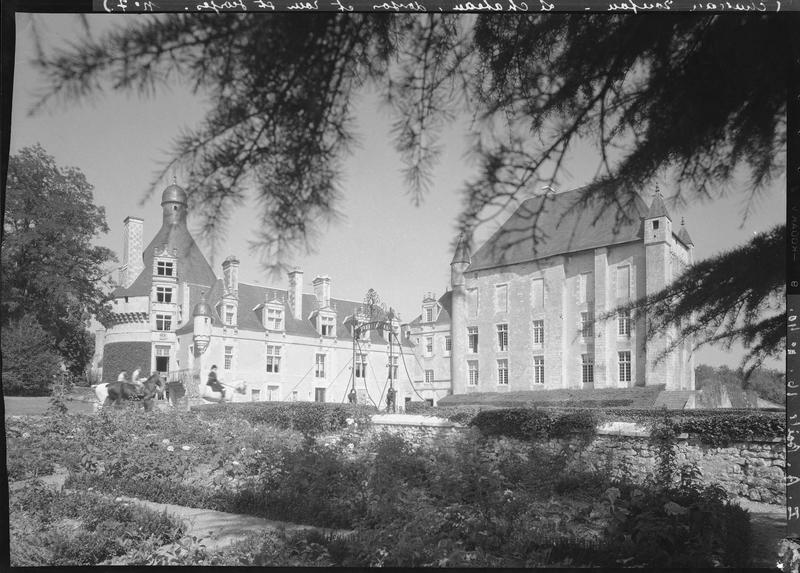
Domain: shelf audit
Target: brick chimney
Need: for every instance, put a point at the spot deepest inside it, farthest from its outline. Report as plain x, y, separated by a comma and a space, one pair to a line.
132, 263
296, 293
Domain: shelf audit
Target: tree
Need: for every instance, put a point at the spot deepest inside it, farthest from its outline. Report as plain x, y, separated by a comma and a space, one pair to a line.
698, 96
50, 270
30, 360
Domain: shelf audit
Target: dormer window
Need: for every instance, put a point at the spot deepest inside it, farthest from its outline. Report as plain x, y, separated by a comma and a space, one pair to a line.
163, 294
230, 314
429, 314
165, 268
274, 319
327, 325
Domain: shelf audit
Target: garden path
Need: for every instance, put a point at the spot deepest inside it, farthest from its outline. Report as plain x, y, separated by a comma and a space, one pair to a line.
768, 526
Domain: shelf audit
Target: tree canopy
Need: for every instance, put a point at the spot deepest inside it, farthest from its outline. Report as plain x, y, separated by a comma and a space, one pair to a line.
51, 272
699, 97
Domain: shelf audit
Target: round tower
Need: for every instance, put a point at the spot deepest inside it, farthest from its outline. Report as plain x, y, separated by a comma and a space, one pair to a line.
458, 317
202, 326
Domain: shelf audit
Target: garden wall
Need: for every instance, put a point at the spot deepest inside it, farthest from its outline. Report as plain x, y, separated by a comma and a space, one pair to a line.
754, 470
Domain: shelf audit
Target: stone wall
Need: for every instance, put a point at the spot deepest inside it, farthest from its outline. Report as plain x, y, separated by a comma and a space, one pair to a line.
753, 470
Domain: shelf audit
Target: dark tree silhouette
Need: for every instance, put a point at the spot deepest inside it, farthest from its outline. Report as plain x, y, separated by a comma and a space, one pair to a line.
697, 97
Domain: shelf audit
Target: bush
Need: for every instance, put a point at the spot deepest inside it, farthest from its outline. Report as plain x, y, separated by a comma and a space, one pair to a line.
531, 424
30, 359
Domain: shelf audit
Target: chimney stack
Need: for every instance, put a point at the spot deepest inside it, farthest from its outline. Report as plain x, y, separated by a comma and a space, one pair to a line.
132, 263
296, 293
230, 271
322, 290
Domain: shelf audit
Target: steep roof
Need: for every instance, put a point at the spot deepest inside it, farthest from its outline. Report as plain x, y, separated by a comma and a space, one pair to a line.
461, 254
444, 314
192, 265
556, 224
657, 208
683, 236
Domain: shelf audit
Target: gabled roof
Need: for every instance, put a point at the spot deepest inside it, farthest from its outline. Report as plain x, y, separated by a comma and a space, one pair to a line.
446, 301
192, 265
555, 224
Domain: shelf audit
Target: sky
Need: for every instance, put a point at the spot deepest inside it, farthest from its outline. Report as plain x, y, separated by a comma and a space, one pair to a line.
382, 241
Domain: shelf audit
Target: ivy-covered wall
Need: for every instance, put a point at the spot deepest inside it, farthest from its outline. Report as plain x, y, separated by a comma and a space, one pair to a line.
127, 356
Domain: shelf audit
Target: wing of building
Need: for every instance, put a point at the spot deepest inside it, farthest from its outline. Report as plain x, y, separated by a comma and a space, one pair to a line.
172, 314
522, 312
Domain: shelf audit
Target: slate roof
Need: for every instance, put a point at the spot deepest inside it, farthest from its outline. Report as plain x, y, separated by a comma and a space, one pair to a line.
658, 208
444, 314
192, 265
683, 236
555, 224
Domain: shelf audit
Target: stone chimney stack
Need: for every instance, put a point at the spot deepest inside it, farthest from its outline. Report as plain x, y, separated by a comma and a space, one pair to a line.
296, 293
132, 263
322, 290
230, 272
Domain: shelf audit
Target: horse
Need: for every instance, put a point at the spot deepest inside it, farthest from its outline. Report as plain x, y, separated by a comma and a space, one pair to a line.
210, 395
116, 392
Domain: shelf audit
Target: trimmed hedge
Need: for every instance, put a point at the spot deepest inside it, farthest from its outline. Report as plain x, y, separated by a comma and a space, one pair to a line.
526, 424
310, 418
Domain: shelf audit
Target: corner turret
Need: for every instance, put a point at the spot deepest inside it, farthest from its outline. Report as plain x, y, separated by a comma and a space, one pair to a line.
657, 222
202, 325
174, 205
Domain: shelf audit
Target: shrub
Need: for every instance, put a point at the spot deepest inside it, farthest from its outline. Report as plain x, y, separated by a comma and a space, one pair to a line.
529, 424
30, 359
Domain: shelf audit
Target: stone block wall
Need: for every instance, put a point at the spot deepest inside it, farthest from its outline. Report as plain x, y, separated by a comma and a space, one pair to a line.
752, 470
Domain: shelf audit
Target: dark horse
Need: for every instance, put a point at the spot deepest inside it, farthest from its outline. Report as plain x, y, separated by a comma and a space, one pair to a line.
119, 391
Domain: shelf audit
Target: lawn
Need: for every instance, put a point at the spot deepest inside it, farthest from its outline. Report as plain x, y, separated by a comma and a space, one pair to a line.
37, 406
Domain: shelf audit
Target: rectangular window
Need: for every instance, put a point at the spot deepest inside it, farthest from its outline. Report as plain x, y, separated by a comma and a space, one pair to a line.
255, 395
585, 287
165, 268
448, 344
624, 366
163, 294
273, 358
538, 332
429, 376
275, 318
587, 369
361, 366
501, 298
429, 346
229, 309
538, 369
502, 372
624, 322
429, 314
624, 282
326, 325
587, 326
294, 395
502, 337
228, 357
472, 302
655, 225
163, 322
319, 366
537, 293
472, 368
273, 393
319, 394
392, 367
472, 339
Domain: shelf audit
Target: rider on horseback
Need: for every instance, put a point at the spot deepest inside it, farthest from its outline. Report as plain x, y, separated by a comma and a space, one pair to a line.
214, 383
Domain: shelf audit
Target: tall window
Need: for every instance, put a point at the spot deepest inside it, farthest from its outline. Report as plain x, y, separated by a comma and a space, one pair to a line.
538, 332
275, 318
229, 312
392, 367
537, 291
361, 366
163, 322
429, 346
448, 344
538, 369
326, 325
273, 358
502, 337
501, 298
624, 366
502, 372
472, 369
472, 302
165, 268
587, 369
429, 314
429, 376
319, 366
587, 327
472, 339
624, 322
228, 357
273, 393
624, 282
319, 394
163, 294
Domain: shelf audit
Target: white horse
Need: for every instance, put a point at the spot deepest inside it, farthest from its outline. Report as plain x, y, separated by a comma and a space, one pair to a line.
101, 391
211, 396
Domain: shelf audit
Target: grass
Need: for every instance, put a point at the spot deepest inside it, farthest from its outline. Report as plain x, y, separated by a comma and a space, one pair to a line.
37, 406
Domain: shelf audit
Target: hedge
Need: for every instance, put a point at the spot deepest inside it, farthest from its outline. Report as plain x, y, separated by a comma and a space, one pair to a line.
310, 418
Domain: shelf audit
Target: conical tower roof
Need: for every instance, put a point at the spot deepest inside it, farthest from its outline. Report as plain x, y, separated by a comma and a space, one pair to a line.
462, 254
657, 208
683, 234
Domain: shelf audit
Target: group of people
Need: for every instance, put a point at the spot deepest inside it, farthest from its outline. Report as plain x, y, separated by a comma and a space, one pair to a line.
135, 378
